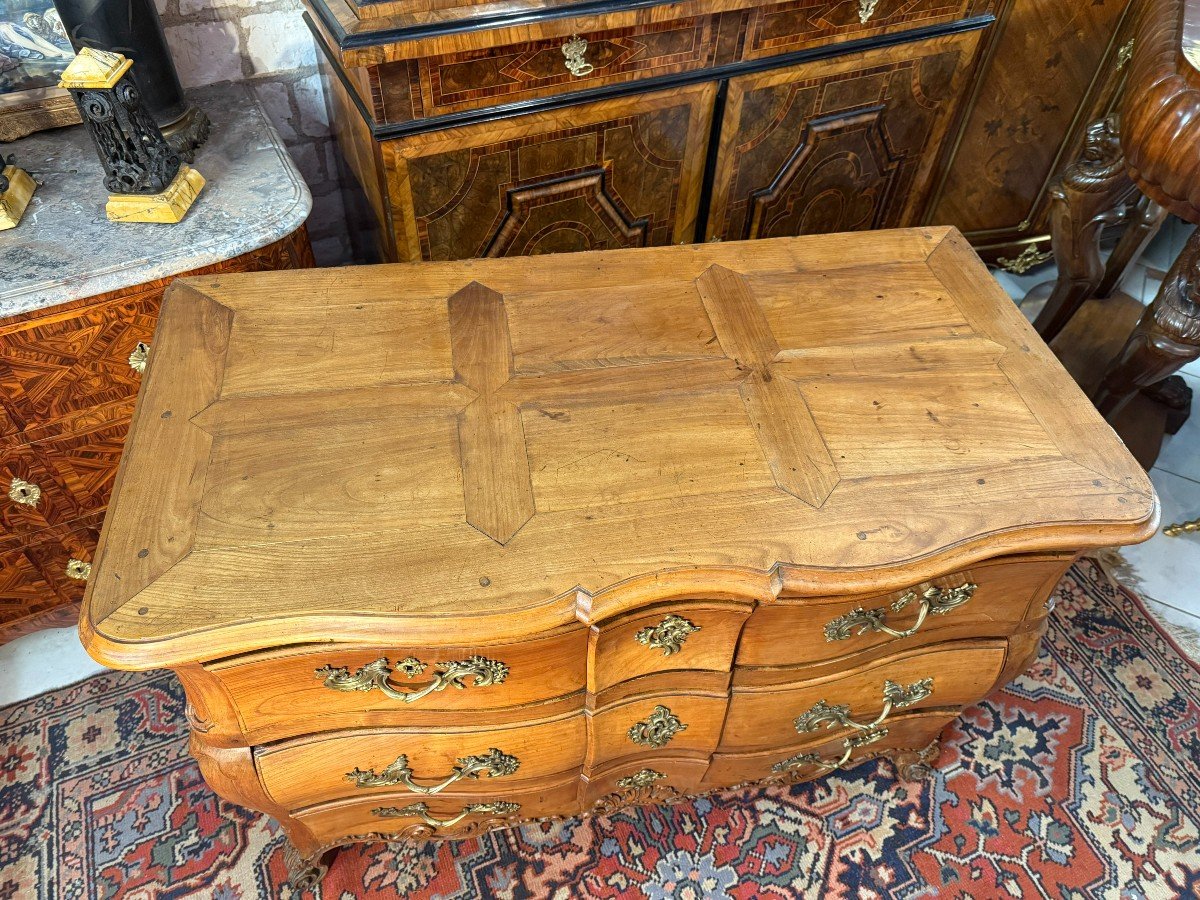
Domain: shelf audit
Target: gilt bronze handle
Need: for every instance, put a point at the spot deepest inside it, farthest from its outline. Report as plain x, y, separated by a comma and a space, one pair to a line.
79, 570
495, 764
668, 635
573, 52
658, 729
863, 621
895, 696
24, 492
866, 9
484, 671
421, 811
137, 359
852, 743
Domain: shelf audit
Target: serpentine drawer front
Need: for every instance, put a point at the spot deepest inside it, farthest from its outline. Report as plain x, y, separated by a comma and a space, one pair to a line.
456, 547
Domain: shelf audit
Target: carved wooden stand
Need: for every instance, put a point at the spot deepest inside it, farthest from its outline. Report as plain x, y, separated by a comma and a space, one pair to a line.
1149, 149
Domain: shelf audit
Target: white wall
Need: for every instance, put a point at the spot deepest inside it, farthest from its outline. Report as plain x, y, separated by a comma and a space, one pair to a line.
265, 43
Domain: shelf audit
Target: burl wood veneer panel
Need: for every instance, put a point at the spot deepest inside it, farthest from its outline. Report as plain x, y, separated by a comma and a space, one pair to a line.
601, 176
843, 144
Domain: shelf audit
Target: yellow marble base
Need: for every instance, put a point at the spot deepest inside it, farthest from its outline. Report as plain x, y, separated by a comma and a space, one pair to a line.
16, 198
170, 206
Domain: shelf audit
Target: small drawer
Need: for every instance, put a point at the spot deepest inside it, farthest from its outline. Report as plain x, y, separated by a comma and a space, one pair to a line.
641, 781
36, 493
788, 27
283, 694
49, 570
908, 731
442, 816
987, 600
951, 675
492, 76
685, 635
666, 723
422, 762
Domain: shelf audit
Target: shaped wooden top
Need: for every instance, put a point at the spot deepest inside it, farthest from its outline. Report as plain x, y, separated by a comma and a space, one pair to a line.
482, 450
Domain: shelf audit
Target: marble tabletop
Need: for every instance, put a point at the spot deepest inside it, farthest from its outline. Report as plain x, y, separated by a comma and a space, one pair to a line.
65, 248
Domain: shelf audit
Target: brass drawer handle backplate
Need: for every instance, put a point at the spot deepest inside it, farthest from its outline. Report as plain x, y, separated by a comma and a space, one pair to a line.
574, 50
24, 492
668, 635
78, 569
863, 621
484, 671
421, 811
866, 9
643, 779
137, 359
658, 730
894, 697
495, 763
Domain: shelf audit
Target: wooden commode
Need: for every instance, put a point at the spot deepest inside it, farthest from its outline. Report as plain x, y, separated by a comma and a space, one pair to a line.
443, 548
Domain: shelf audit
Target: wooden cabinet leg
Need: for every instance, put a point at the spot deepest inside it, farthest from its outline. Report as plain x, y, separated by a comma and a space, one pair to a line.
1087, 197
917, 765
305, 873
1166, 338
1141, 225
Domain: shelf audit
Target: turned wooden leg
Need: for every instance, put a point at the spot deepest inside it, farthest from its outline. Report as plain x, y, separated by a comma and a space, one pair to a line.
1141, 225
1166, 338
1088, 196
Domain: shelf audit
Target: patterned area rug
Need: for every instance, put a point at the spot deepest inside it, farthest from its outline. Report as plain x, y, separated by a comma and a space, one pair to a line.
1081, 779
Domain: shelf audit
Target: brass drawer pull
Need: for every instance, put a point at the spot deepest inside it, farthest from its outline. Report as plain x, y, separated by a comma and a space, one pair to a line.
495, 763
866, 9
895, 696
78, 569
484, 671
24, 492
852, 743
642, 779
573, 50
658, 730
137, 359
421, 811
668, 635
935, 600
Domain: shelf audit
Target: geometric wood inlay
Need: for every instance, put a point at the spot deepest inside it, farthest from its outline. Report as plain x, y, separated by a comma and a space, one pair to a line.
790, 438
497, 491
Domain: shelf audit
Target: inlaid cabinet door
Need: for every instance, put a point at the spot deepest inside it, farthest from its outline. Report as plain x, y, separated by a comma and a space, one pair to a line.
842, 144
598, 176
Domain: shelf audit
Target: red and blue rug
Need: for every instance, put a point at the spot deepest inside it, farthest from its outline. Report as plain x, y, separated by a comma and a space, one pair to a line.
1081, 779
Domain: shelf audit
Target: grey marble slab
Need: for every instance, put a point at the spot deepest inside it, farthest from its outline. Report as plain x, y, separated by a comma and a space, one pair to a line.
65, 248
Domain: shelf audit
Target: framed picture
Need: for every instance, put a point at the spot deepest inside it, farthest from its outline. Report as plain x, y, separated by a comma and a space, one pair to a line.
34, 51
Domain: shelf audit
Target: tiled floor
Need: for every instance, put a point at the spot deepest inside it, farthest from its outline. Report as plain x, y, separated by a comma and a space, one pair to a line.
1165, 570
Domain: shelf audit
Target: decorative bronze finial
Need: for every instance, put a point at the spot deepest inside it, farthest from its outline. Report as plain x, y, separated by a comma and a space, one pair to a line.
146, 178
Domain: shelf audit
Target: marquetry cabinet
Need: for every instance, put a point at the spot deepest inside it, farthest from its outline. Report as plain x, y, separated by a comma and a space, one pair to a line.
447, 548
478, 132
802, 117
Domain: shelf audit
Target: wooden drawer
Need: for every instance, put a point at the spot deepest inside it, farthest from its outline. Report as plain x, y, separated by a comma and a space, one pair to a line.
788, 27
283, 694
648, 779
503, 760
645, 728
804, 631
950, 675
677, 636
57, 366
61, 478
492, 76
909, 731
597, 176
34, 576
332, 821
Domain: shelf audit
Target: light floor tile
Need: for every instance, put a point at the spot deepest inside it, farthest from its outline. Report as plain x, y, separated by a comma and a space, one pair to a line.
41, 662
1181, 452
1167, 569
